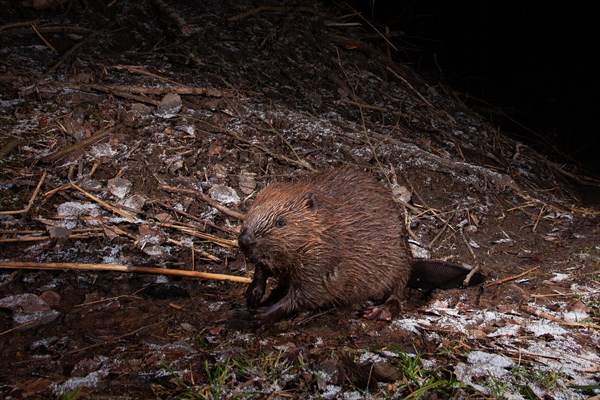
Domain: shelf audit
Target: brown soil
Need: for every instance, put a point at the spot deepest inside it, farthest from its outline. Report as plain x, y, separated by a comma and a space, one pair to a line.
223, 101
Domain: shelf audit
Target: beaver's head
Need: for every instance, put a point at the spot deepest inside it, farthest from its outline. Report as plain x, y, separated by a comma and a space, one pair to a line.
281, 226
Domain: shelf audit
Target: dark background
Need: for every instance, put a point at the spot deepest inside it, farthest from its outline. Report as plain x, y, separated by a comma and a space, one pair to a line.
529, 67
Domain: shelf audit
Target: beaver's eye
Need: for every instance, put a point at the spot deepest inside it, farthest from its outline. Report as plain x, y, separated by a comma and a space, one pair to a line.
280, 223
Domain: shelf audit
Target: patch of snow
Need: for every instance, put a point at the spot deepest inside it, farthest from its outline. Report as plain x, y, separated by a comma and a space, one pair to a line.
91, 380
102, 150
156, 251
508, 330
76, 209
558, 277
567, 351
368, 356
331, 391
408, 324
161, 279
545, 327
215, 306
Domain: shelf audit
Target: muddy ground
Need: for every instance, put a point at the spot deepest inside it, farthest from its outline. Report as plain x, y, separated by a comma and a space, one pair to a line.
163, 105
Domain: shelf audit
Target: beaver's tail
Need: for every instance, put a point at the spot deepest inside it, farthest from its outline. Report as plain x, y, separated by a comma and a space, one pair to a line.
434, 274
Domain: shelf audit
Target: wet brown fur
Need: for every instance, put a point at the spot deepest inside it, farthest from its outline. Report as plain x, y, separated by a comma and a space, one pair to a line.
340, 240
343, 240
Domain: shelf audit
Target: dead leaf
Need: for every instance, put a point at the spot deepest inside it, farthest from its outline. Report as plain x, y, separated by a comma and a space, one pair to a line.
58, 232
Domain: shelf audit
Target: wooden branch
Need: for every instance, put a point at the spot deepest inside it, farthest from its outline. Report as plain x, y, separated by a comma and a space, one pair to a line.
542, 314
462, 233
31, 200
510, 278
204, 197
72, 51
195, 232
92, 139
174, 16
195, 218
104, 204
46, 237
159, 91
136, 69
122, 268
195, 250
43, 39
17, 25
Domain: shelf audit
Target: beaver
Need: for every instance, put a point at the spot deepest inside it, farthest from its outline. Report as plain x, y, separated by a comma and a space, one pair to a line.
334, 238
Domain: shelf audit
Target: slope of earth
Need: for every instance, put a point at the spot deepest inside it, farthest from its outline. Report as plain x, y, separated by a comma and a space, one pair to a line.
126, 126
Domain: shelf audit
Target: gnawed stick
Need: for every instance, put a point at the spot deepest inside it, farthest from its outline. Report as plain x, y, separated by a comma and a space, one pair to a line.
122, 268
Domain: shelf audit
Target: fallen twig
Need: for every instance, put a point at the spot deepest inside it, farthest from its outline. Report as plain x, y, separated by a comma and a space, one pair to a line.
104, 204
539, 313
72, 50
122, 268
46, 237
16, 25
31, 200
462, 234
441, 231
217, 129
195, 218
174, 16
384, 37
195, 232
558, 294
510, 278
195, 250
284, 140
470, 275
43, 39
159, 91
204, 197
92, 139
87, 348
539, 217
140, 70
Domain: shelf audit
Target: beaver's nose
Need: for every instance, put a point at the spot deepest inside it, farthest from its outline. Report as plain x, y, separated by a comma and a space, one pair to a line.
246, 240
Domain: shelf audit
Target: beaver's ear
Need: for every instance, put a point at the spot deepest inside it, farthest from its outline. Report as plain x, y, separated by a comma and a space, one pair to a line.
310, 201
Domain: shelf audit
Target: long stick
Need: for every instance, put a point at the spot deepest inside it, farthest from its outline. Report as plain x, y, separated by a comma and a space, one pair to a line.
122, 268
31, 200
